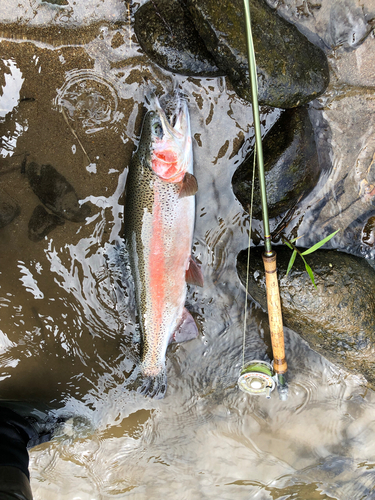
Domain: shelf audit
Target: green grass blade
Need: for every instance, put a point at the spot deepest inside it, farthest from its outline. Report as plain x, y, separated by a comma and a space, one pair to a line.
288, 244
319, 244
311, 274
291, 262
296, 238
309, 270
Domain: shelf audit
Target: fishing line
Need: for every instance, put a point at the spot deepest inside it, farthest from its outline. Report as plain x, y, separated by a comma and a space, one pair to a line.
248, 259
74, 133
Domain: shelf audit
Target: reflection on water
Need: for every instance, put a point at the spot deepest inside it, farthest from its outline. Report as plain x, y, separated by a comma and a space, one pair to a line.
68, 331
10, 91
11, 84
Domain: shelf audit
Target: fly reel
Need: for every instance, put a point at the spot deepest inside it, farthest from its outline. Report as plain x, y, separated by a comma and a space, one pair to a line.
257, 378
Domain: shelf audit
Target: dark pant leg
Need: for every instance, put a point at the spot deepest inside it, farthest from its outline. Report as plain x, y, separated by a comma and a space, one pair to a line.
15, 433
14, 485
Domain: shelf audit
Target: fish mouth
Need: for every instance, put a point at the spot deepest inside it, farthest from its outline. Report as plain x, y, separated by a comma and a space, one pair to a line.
171, 146
174, 116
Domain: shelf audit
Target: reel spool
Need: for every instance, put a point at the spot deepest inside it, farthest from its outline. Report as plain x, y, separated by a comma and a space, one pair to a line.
257, 378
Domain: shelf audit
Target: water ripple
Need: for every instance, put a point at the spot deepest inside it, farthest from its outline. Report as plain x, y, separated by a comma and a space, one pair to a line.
89, 100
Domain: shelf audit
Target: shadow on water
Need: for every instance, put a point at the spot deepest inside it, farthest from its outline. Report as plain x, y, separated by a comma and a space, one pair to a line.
68, 332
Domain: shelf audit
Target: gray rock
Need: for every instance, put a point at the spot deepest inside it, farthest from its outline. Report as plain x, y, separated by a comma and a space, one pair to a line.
9, 209
42, 222
290, 162
55, 192
168, 37
338, 318
291, 70
348, 24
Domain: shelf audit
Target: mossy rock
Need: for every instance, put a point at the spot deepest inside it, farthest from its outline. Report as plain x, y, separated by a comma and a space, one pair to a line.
291, 70
169, 38
290, 162
338, 318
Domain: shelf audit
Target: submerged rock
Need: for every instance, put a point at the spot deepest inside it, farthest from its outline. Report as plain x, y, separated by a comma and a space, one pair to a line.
42, 222
8, 209
169, 37
291, 70
338, 318
291, 165
55, 192
368, 232
56, 2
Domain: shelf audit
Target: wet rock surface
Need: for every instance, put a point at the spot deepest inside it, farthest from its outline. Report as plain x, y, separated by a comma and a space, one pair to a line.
345, 195
291, 70
55, 192
9, 209
338, 318
330, 24
169, 37
291, 165
368, 231
42, 223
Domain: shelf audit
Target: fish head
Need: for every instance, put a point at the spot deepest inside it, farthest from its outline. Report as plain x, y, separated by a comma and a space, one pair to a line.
170, 141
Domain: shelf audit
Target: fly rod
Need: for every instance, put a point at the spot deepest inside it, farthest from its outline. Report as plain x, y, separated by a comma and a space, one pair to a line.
269, 255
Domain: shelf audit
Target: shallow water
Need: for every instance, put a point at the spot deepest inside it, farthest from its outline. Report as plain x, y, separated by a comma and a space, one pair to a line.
68, 335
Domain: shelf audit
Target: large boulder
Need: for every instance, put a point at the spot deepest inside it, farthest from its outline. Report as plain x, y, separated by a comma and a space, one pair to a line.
291, 70
290, 162
338, 318
169, 37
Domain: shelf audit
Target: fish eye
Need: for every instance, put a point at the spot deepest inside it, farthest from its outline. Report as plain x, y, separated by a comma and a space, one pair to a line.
157, 129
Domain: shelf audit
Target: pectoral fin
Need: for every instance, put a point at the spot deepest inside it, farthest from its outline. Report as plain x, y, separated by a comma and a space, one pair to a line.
194, 275
187, 330
189, 186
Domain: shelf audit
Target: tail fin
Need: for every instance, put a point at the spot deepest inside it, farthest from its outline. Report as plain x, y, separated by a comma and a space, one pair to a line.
154, 387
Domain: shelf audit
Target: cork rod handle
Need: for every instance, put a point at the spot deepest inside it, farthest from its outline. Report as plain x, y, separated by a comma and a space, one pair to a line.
274, 314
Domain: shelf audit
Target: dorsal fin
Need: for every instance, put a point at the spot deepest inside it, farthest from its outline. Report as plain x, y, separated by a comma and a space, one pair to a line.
189, 186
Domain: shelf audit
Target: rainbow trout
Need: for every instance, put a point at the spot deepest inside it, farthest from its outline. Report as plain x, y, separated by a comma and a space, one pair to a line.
159, 225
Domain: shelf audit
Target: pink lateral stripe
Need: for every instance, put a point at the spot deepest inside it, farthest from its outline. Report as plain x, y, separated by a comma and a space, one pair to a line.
157, 271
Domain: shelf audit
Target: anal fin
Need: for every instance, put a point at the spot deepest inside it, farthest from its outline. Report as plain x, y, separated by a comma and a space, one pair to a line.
194, 275
187, 330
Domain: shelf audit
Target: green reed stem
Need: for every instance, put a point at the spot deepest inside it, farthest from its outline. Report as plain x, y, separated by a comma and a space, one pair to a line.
258, 133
